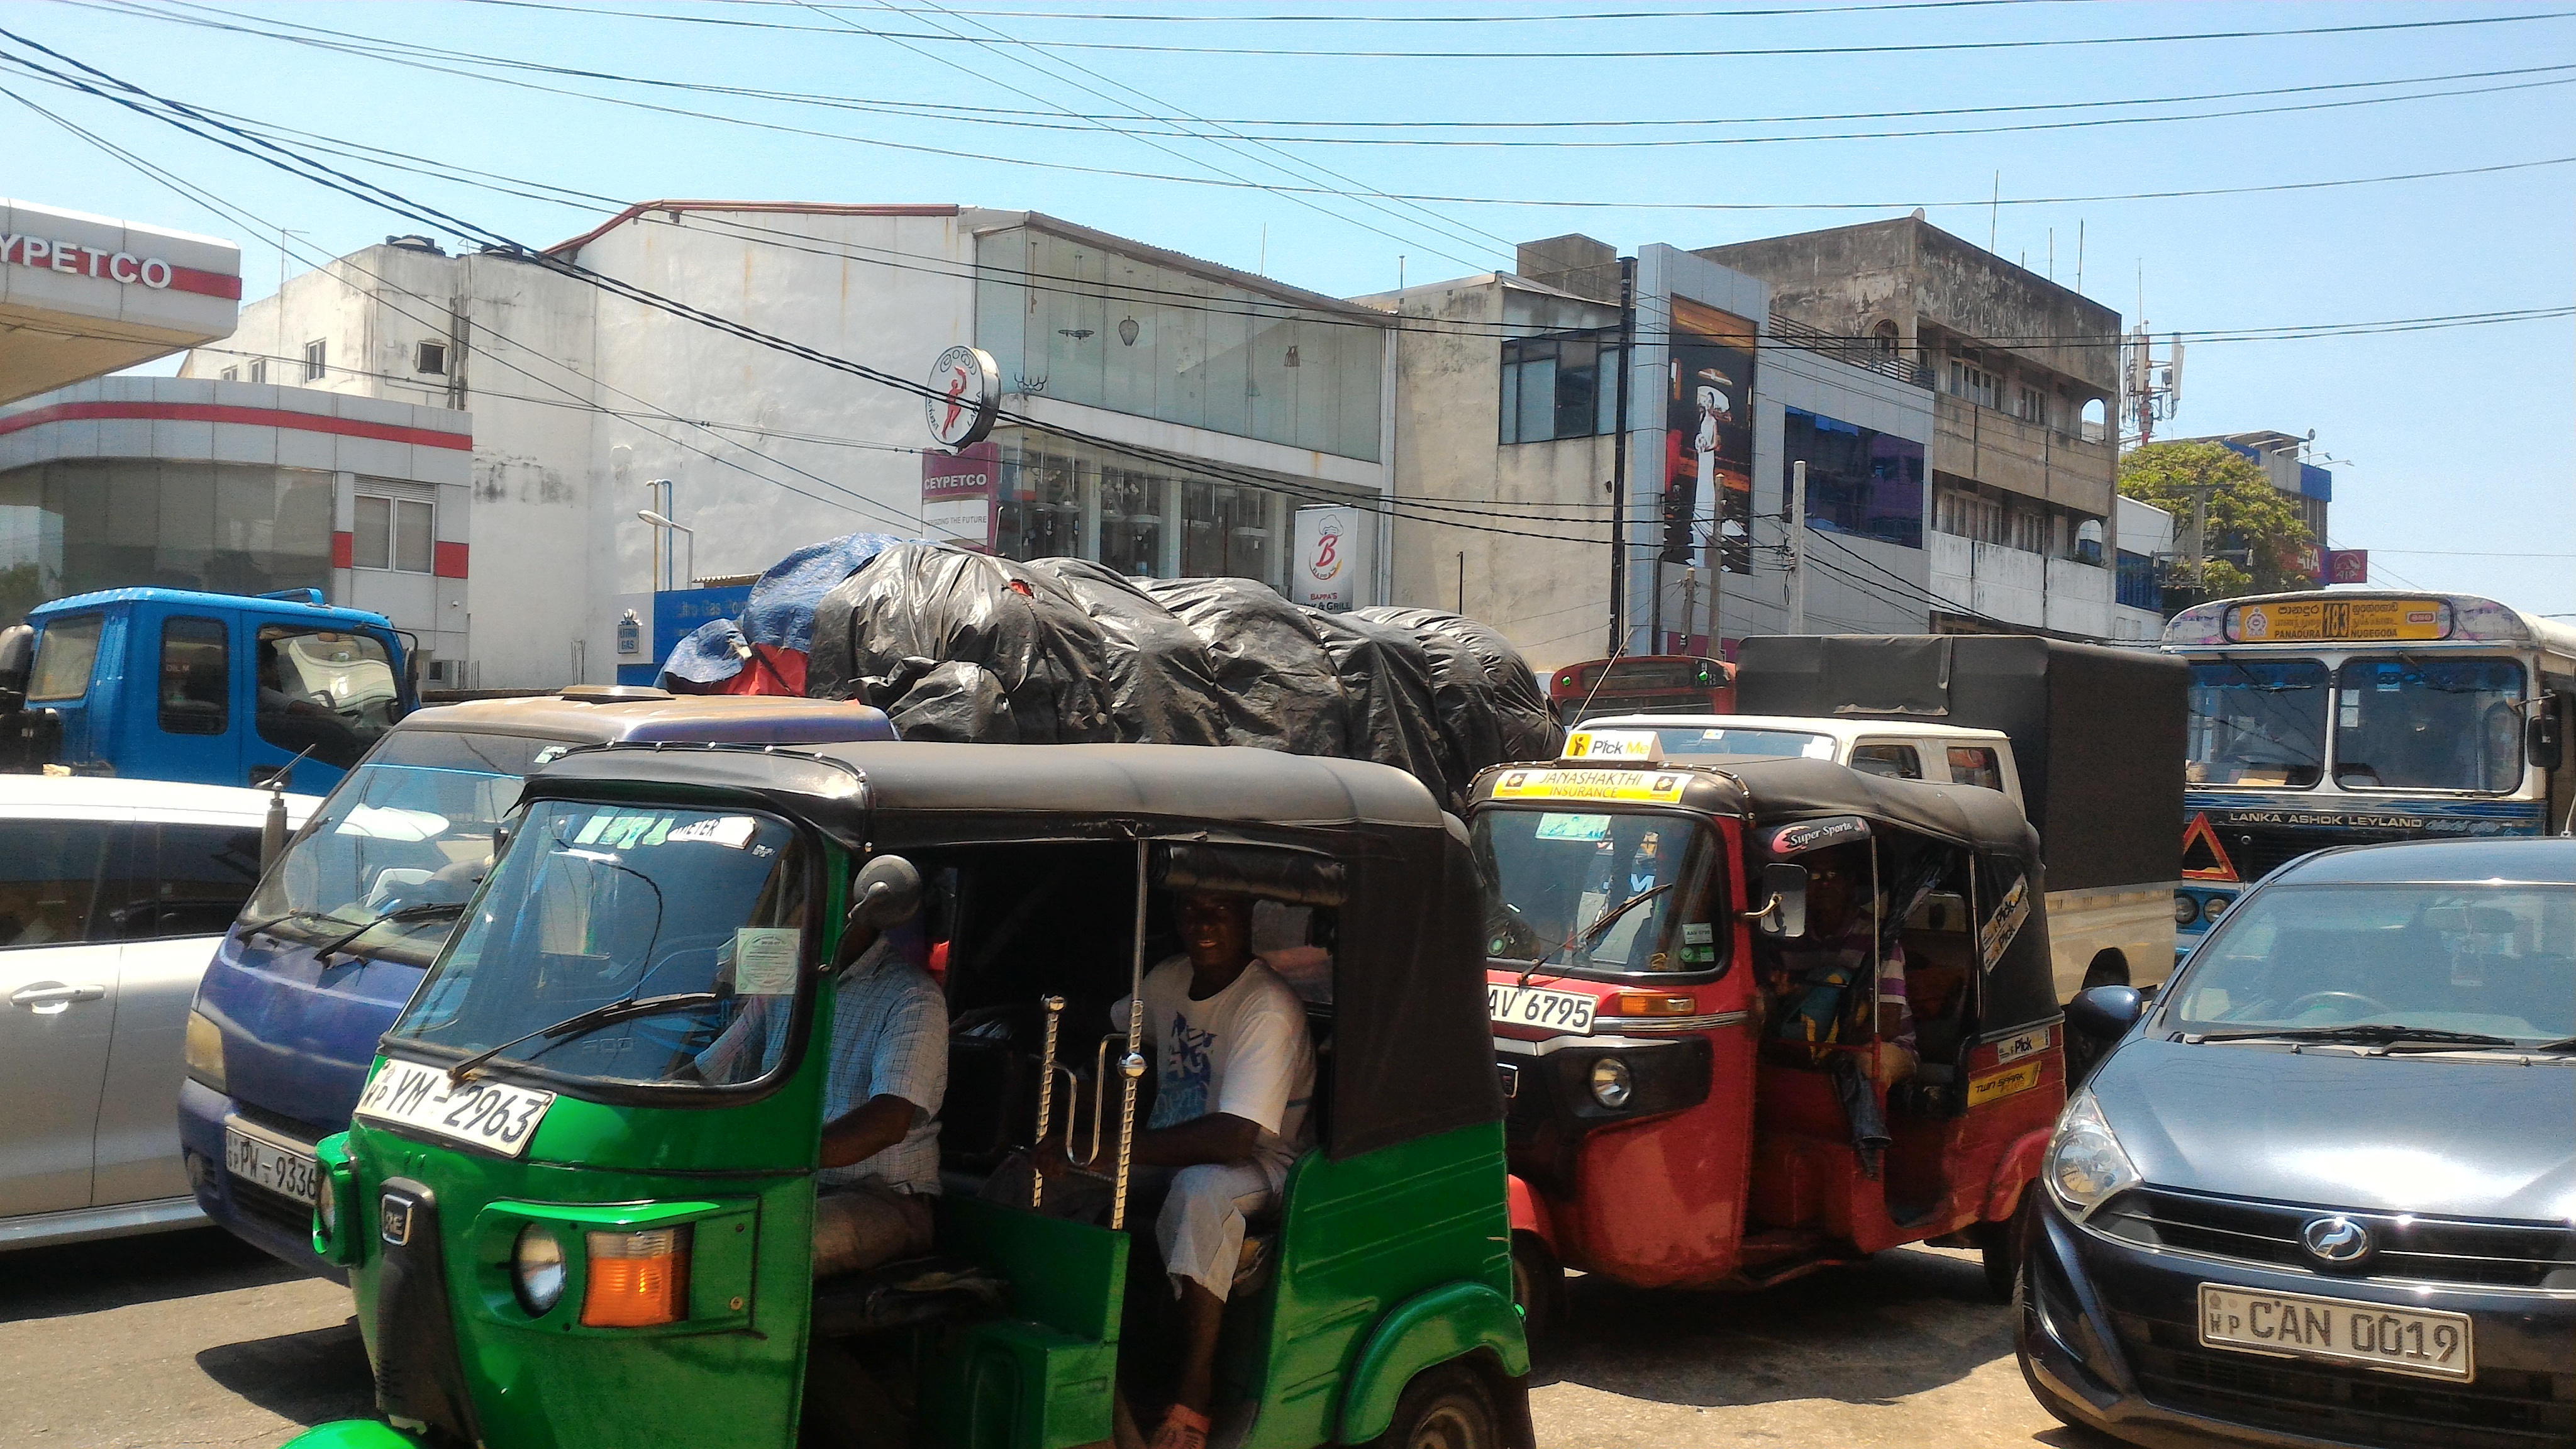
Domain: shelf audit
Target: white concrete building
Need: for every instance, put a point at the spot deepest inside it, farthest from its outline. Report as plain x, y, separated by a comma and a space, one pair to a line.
1209, 402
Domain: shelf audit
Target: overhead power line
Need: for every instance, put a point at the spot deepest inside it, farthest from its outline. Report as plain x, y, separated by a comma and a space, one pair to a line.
1659, 53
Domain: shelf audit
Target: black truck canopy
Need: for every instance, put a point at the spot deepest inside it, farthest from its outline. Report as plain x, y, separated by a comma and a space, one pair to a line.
2097, 732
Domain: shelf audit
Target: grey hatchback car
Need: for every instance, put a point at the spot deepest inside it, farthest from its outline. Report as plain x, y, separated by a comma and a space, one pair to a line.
2323, 1192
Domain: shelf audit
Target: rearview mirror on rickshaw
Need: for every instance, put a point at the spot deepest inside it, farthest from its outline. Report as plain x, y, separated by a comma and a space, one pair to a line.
1784, 911
886, 893
2540, 742
2104, 1012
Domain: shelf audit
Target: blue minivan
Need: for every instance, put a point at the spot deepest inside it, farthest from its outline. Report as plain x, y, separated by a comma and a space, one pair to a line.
341, 929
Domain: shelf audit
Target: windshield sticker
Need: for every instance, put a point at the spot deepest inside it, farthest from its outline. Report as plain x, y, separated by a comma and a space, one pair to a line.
764, 960
2000, 931
384, 822
1809, 835
731, 831
1553, 826
1636, 785
1697, 933
549, 755
1819, 748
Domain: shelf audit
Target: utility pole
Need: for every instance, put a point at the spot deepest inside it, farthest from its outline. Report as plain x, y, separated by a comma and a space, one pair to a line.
1690, 602
1619, 460
1798, 547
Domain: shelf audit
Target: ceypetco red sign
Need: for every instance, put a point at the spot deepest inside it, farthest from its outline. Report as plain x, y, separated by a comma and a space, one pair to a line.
123, 267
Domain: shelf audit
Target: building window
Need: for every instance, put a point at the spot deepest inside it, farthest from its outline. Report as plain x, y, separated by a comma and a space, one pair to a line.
1565, 386
232, 374
2031, 405
196, 677
1889, 340
314, 352
2027, 531
2135, 583
1965, 515
1972, 382
259, 369
392, 533
432, 358
1859, 481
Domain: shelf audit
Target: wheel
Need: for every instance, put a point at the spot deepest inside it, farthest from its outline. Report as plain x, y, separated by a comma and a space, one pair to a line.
1538, 1286
1999, 1248
1445, 1408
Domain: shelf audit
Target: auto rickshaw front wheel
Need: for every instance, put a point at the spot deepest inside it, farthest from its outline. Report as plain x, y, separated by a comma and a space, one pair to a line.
1445, 1408
1999, 1247
1538, 1286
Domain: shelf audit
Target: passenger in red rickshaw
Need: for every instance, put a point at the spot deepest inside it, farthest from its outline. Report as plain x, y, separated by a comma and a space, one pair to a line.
1235, 1073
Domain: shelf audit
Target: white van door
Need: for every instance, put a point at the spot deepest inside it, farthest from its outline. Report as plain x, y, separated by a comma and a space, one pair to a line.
57, 1004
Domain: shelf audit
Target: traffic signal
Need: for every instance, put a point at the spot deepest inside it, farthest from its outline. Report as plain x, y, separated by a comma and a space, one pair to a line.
1677, 523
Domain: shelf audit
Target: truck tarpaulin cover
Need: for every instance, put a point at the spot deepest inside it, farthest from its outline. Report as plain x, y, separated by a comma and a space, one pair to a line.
764, 652
963, 646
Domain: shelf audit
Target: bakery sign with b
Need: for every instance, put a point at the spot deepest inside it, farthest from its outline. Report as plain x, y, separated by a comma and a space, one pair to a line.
1331, 568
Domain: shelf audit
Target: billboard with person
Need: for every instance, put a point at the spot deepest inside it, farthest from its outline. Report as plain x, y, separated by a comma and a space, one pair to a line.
1708, 429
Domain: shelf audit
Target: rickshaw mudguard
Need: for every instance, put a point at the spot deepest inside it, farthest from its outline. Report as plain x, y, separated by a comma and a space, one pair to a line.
1423, 1332
2018, 1168
1529, 1213
355, 1434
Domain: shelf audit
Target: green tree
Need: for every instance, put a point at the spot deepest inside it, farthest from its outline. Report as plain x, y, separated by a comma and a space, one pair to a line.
2257, 542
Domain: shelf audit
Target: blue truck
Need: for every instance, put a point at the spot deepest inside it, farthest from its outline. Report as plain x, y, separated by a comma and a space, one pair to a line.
213, 689
347, 921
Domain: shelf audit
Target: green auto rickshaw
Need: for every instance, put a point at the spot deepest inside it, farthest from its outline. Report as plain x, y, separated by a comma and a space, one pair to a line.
561, 1232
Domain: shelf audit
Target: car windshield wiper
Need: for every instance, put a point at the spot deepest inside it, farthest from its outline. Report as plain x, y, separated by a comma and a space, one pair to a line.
2366, 1033
624, 1009
300, 913
428, 912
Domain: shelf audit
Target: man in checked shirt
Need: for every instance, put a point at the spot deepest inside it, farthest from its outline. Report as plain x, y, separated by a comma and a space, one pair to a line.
888, 1072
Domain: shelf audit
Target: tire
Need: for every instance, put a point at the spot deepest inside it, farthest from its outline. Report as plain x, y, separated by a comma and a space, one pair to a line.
1445, 1408
1538, 1286
1999, 1248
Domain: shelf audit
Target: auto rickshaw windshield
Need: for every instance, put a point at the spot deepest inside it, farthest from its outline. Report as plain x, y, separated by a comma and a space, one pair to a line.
1582, 890
698, 917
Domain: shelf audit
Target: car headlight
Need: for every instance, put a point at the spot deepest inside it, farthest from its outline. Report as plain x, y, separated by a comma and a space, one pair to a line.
2086, 1164
1611, 1085
202, 1050
537, 1268
2186, 909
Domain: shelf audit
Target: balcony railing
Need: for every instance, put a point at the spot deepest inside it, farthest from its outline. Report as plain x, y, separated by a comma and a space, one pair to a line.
1865, 352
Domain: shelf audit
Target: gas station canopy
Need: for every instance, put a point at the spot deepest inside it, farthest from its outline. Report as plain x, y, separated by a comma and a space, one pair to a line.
84, 295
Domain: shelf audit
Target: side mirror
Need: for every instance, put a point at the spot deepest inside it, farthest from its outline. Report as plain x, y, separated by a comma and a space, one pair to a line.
1784, 913
887, 893
2540, 737
2104, 1012
17, 654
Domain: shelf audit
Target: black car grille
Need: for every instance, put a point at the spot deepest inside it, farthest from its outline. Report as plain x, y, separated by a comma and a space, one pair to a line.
2504, 1409
2415, 1249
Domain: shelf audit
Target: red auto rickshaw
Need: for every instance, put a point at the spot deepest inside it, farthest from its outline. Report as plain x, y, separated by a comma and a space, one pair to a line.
1760, 1017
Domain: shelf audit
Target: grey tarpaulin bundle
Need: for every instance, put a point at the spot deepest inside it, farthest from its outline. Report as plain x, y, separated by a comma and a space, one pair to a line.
963, 646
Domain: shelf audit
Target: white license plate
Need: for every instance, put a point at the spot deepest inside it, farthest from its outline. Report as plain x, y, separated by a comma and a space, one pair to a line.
270, 1166
2337, 1330
491, 1115
1569, 1011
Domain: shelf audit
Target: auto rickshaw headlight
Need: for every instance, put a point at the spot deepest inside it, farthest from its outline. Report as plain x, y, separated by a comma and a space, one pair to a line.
2087, 1167
2186, 908
1611, 1085
637, 1280
537, 1268
326, 1204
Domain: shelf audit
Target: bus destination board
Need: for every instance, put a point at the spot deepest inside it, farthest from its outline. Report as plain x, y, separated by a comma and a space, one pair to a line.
2298, 621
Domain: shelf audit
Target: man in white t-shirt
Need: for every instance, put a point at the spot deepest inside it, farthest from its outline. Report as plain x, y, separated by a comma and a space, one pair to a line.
1235, 1072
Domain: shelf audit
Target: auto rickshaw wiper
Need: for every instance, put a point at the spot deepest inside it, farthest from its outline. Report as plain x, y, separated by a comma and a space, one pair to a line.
427, 912
609, 1014
1600, 923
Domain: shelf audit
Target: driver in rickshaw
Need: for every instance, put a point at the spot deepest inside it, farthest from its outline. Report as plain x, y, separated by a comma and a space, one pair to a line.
1234, 1074
888, 1074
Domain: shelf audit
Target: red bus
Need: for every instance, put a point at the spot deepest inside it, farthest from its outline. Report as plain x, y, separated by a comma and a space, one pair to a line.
1642, 684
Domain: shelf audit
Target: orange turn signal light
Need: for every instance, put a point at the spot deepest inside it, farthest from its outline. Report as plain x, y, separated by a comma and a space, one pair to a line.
1650, 1003
637, 1280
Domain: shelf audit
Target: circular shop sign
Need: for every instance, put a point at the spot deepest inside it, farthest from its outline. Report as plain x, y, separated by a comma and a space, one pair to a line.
966, 394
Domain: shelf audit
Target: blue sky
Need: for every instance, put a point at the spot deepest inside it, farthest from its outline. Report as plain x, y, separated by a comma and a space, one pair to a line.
2454, 443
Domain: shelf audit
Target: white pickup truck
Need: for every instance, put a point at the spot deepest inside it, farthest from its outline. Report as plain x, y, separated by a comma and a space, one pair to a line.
2103, 935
